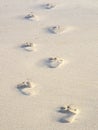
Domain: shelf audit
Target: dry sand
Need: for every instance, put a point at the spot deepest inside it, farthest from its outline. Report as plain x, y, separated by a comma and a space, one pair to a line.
73, 83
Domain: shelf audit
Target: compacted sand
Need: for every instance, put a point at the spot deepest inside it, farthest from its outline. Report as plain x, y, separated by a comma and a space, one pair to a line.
48, 65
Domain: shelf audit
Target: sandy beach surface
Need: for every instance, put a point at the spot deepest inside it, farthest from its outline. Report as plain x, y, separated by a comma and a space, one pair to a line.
48, 59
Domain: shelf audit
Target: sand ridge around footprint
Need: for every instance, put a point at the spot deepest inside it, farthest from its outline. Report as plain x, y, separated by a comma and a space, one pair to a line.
28, 88
29, 46
31, 16
70, 113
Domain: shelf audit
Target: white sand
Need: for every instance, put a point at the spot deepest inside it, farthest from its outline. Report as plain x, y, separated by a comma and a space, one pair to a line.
75, 83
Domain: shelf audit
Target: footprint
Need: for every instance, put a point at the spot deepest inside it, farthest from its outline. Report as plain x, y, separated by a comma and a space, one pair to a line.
27, 88
28, 46
31, 16
60, 29
54, 62
48, 6
56, 29
70, 112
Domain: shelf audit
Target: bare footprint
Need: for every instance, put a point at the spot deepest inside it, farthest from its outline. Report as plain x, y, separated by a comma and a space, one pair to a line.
48, 6
28, 46
31, 16
60, 29
27, 88
70, 112
56, 29
54, 62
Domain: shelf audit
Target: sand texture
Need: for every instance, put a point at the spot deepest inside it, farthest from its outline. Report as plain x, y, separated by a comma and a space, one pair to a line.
49, 65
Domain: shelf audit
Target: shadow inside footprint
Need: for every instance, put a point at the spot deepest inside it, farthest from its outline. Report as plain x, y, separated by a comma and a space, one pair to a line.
62, 111
68, 118
20, 88
62, 120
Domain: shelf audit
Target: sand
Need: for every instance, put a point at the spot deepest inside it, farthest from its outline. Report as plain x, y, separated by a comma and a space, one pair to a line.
73, 83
